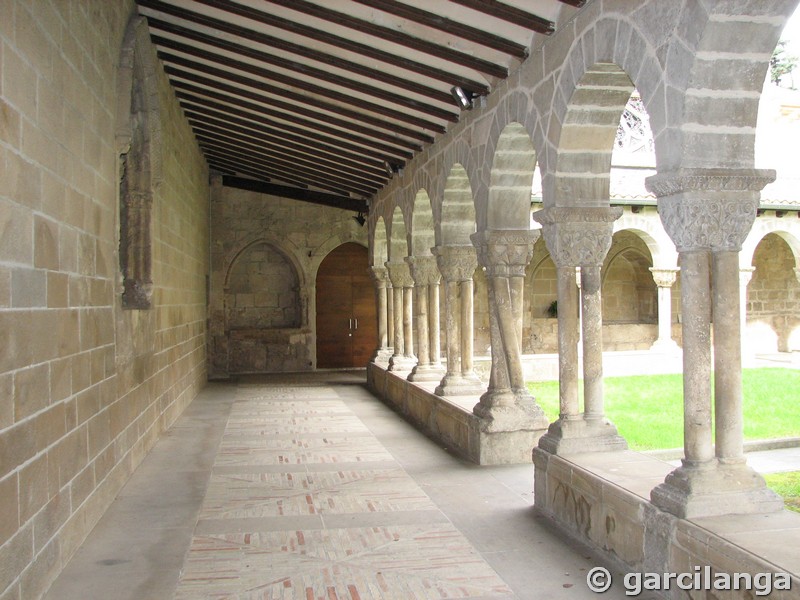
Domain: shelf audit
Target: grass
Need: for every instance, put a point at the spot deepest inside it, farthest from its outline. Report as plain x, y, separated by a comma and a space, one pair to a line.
788, 486
648, 409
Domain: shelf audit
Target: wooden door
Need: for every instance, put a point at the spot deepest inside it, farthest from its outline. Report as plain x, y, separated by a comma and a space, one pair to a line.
346, 318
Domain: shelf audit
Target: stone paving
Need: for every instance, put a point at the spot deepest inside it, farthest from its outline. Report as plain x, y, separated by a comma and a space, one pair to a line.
290, 462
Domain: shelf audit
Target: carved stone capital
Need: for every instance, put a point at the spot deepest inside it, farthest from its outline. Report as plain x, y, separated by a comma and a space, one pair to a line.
664, 278
506, 252
424, 270
456, 263
380, 275
400, 275
709, 209
577, 236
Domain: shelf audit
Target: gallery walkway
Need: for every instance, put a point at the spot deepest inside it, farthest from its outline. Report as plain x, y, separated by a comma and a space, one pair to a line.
307, 487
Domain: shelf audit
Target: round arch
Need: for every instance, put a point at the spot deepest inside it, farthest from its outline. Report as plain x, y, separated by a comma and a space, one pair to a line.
398, 237
379, 248
511, 179
422, 228
458, 209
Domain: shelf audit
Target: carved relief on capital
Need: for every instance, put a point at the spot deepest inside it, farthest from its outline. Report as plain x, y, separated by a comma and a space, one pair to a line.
504, 253
709, 209
380, 275
456, 263
664, 278
399, 274
424, 270
578, 236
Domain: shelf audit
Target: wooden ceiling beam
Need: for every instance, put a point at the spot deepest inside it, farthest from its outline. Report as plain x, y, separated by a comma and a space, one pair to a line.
509, 13
441, 23
396, 37
232, 95
319, 36
271, 189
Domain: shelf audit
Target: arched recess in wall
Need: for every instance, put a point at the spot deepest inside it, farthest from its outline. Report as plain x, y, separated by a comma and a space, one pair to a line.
511, 180
346, 323
630, 295
262, 290
138, 142
773, 295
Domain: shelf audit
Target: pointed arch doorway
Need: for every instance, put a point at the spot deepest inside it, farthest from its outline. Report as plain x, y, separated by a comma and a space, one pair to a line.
346, 316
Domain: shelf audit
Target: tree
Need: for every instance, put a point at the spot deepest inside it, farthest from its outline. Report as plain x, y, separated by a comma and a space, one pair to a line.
782, 64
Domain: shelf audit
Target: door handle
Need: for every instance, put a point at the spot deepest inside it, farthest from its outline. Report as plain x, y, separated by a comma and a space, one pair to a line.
351, 323
356, 327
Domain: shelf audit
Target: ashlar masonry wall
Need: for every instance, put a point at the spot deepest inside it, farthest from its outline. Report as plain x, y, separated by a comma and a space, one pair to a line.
265, 254
85, 386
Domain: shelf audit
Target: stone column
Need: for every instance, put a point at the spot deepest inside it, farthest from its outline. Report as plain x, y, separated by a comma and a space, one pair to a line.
708, 214
434, 327
381, 277
664, 279
506, 405
457, 265
745, 277
579, 237
402, 284
426, 278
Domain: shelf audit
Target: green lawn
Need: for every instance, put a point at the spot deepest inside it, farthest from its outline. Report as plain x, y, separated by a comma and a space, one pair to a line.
648, 409
788, 486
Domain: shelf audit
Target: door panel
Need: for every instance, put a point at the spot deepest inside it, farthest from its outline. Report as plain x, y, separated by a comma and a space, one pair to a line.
346, 317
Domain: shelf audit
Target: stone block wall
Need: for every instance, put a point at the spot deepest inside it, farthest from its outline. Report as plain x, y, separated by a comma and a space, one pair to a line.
85, 387
265, 253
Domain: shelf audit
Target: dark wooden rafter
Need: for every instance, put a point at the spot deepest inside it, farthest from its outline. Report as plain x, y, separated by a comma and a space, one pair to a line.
200, 103
398, 37
173, 60
263, 104
301, 84
435, 21
296, 49
319, 35
369, 170
273, 170
342, 202
509, 13
575, 3
310, 72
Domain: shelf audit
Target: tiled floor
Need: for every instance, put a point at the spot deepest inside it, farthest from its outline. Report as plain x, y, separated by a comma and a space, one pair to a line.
307, 487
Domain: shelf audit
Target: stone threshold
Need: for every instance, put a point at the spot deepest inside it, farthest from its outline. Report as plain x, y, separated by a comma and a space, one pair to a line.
450, 420
603, 499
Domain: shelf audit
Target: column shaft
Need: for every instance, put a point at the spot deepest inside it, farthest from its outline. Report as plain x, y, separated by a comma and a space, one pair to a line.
421, 320
399, 342
727, 358
567, 343
696, 310
467, 329
408, 322
434, 327
390, 314
592, 306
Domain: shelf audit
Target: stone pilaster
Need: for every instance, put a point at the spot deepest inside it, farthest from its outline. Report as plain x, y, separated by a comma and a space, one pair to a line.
383, 352
579, 238
664, 280
708, 213
457, 265
426, 276
402, 285
506, 405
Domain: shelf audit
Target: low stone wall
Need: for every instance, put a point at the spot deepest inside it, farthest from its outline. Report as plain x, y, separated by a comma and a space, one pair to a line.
451, 421
603, 499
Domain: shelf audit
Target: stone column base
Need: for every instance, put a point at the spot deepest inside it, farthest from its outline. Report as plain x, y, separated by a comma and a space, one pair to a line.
382, 356
426, 373
401, 363
715, 490
459, 385
574, 436
521, 414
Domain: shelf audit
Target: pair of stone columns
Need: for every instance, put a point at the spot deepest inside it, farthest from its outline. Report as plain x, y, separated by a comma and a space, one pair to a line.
708, 214
402, 358
579, 237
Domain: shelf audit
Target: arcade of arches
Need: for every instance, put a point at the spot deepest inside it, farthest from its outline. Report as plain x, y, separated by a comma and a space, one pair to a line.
120, 300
